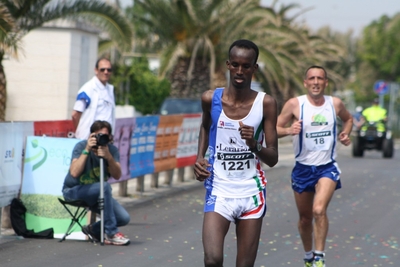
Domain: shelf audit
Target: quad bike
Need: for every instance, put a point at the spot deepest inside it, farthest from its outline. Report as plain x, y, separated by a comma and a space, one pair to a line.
369, 138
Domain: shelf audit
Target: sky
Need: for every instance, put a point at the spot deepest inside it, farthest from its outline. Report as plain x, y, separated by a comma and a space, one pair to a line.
340, 15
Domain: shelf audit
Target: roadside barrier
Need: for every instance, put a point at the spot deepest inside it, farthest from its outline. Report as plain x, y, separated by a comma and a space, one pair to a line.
37, 156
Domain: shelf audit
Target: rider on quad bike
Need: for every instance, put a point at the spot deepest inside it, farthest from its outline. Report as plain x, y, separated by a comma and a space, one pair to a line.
373, 133
376, 114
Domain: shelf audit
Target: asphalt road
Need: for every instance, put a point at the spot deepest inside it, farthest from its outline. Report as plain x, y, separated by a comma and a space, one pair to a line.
364, 226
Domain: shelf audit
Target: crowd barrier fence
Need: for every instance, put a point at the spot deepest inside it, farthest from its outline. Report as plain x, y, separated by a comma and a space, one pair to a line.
36, 157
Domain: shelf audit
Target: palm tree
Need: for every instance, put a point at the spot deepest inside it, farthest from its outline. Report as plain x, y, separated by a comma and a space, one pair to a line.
193, 37
288, 49
21, 16
7, 43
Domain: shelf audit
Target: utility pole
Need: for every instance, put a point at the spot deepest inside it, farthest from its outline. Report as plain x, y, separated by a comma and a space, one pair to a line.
393, 116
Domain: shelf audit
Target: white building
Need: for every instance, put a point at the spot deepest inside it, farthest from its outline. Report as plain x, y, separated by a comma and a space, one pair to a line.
54, 62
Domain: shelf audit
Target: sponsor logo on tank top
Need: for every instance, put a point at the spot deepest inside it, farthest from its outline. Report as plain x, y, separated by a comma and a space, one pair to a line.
226, 156
232, 149
318, 134
318, 120
226, 125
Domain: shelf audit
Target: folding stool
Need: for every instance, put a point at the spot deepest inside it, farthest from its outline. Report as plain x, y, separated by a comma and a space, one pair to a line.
82, 209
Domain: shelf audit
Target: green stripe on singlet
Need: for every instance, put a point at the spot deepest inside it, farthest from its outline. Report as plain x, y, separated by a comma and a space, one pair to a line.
259, 129
256, 137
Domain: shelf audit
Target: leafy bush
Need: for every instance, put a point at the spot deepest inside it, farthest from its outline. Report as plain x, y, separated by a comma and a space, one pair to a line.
136, 85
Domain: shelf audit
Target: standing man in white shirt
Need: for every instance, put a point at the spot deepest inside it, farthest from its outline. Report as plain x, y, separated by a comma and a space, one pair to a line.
95, 100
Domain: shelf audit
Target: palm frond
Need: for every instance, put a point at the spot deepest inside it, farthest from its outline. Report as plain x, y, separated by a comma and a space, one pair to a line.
8, 38
96, 13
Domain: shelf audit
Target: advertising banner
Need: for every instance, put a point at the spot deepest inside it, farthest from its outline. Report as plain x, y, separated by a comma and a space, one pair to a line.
61, 128
142, 146
167, 142
188, 140
122, 140
12, 136
46, 164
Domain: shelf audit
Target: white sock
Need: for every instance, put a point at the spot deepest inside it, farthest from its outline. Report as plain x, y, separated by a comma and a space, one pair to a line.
309, 255
319, 253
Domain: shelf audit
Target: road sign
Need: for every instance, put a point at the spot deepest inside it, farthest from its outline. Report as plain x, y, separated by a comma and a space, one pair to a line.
381, 87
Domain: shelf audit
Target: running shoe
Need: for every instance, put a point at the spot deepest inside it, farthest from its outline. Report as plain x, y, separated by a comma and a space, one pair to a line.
319, 262
308, 262
87, 230
118, 239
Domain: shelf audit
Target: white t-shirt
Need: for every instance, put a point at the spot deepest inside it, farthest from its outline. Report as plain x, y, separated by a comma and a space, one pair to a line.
104, 107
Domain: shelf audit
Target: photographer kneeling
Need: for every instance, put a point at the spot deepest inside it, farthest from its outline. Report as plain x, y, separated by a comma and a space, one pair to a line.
83, 182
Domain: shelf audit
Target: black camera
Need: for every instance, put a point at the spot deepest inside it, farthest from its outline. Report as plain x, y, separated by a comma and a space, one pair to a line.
102, 139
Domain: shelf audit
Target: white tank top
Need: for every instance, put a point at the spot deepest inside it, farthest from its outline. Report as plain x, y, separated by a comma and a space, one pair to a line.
316, 143
236, 172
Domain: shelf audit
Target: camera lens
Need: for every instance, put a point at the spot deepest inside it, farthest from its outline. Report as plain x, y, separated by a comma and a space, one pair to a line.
102, 139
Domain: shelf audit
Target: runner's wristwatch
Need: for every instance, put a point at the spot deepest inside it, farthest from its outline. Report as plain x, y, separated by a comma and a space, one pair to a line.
257, 148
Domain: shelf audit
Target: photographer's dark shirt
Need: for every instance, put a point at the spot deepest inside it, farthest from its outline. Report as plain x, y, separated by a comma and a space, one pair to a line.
91, 172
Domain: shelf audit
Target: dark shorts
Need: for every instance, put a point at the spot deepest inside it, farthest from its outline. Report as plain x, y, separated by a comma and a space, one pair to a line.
305, 177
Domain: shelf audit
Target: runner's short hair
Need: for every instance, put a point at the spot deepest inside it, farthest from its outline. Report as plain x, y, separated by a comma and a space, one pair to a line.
243, 43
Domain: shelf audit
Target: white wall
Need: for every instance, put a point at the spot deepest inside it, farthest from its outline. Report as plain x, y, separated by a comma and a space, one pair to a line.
42, 84
126, 111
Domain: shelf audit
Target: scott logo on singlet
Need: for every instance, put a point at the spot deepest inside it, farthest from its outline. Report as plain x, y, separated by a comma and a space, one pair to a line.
318, 134
318, 120
228, 156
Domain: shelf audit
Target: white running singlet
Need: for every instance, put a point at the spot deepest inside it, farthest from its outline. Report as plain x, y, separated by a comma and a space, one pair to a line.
316, 143
235, 171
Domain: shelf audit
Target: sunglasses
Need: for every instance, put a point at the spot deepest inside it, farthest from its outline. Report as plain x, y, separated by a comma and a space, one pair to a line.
104, 69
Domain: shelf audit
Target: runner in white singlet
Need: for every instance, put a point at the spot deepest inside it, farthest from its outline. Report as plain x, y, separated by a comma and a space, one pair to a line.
316, 174
236, 122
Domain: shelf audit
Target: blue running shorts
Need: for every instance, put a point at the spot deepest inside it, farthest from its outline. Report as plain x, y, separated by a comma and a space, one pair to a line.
305, 177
